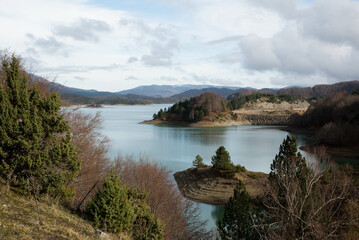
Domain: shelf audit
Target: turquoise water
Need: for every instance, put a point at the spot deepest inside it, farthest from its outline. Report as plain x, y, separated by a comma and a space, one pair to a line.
176, 147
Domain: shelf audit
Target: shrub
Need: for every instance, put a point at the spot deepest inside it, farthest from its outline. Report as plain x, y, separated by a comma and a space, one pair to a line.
253, 175
117, 208
238, 168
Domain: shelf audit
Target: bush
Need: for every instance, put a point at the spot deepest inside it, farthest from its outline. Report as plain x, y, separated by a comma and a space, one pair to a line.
117, 208
253, 175
239, 168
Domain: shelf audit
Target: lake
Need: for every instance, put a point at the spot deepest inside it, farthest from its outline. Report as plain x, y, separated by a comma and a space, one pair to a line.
175, 147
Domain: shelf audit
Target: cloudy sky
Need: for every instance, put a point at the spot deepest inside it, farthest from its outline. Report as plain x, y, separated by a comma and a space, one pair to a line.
120, 44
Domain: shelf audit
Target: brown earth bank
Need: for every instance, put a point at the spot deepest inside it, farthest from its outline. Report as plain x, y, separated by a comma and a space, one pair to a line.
206, 185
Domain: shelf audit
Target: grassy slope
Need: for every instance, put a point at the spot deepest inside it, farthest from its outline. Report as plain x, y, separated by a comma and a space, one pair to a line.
19, 220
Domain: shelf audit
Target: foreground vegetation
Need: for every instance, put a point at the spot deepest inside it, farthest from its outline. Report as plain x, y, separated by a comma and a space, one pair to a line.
58, 155
301, 201
20, 220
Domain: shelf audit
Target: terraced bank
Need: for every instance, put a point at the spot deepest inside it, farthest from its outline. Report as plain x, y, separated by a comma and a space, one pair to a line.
208, 186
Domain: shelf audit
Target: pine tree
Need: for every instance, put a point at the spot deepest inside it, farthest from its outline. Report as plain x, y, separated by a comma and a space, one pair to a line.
35, 140
288, 163
237, 220
222, 160
198, 162
117, 208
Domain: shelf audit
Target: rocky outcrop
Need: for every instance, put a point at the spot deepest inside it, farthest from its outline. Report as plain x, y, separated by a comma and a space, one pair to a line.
256, 119
206, 185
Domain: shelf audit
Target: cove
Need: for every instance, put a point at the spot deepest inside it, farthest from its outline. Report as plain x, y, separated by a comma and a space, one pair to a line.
175, 147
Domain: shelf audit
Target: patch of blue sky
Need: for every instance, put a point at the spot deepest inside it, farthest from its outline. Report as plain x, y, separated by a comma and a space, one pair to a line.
146, 8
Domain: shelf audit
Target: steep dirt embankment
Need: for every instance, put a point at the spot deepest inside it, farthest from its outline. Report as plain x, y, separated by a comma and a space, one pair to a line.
208, 186
267, 113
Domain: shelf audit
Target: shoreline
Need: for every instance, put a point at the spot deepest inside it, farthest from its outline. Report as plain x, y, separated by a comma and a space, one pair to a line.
205, 185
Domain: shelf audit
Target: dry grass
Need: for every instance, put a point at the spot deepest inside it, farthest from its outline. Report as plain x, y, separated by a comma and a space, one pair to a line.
19, 220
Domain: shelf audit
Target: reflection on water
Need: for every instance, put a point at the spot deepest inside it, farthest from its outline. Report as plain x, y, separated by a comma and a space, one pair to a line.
217, 212
176, 147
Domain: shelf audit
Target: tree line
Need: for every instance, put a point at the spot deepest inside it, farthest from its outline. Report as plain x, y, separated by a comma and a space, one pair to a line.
335, 119
184, 110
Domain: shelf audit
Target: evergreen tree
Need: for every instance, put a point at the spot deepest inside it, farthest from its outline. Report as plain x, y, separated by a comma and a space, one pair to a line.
35, 140
117, 208
238, 214
222, 160
198, 162
288, 163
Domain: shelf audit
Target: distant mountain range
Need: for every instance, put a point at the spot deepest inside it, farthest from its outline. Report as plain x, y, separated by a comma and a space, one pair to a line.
166, 90
172, 93
157, 91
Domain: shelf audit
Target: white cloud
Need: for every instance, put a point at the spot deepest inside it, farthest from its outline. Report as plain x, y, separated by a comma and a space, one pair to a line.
256, 43
83, 30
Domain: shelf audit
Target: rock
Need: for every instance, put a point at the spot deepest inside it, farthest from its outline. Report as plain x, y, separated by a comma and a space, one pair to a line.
102, 235
6, 206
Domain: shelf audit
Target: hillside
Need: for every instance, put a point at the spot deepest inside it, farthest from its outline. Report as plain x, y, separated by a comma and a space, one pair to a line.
318, 91
204, 107
211, 110
19, 220
335, 120
223, 92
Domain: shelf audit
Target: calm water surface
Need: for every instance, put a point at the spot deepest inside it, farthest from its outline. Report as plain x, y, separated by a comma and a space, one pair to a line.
176, 147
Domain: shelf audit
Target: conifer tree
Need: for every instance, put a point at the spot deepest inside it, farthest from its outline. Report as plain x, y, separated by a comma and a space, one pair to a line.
35, 140
222, 160
237, 220
117, 208
198, 162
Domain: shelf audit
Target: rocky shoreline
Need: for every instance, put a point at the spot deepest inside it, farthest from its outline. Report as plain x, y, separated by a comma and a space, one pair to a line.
206, 185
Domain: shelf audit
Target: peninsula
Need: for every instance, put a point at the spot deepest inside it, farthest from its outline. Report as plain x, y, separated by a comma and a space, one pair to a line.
211, 110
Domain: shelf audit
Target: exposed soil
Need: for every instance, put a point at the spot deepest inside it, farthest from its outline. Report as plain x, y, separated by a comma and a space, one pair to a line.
206, 185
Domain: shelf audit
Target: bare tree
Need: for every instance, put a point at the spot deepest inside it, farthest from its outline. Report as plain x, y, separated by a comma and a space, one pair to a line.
92, 149
181, 216
306, 201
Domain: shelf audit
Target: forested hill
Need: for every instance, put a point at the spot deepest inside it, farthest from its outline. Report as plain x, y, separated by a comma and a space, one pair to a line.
195, 109
318, 91
223, 92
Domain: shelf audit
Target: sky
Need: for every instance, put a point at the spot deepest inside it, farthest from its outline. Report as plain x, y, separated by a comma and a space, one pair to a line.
114, 45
